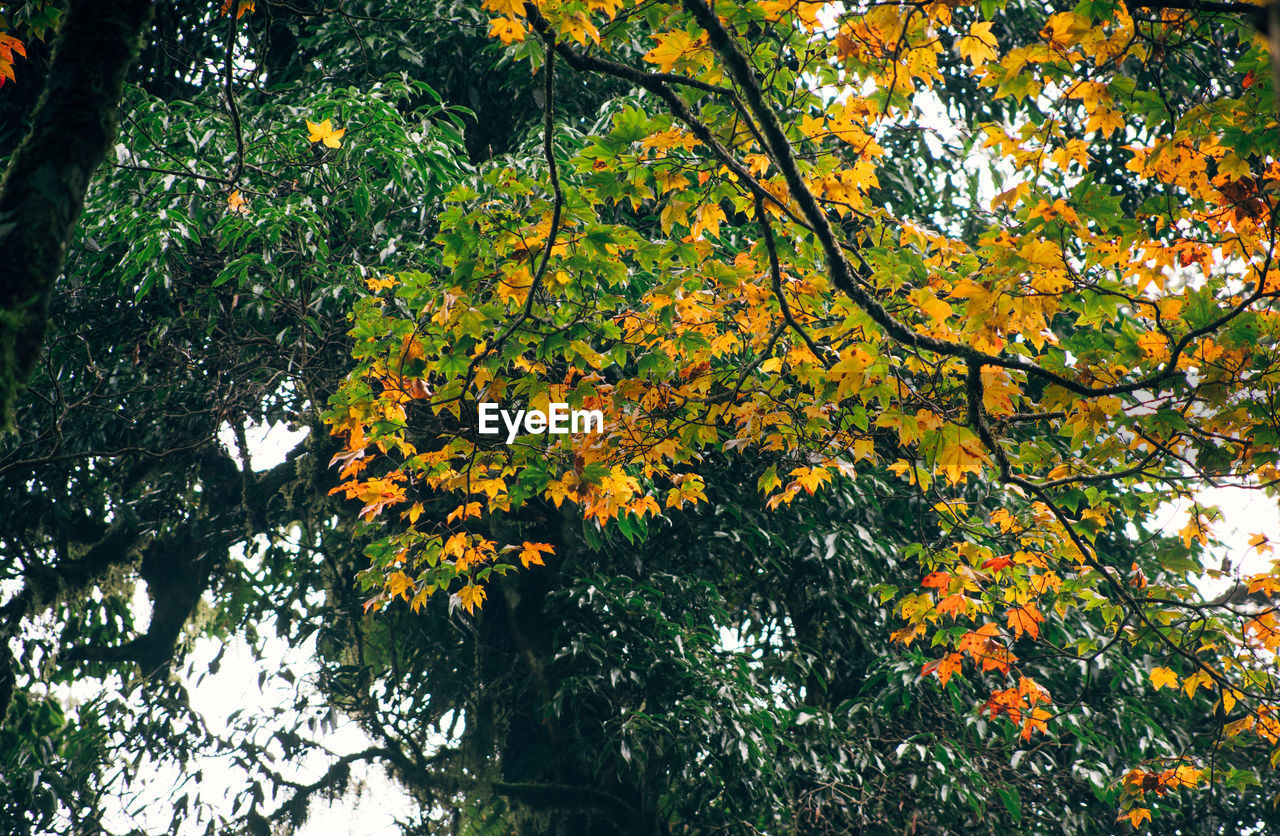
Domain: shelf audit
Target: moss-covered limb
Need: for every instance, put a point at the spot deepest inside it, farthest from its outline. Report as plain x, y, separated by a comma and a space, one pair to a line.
43, 190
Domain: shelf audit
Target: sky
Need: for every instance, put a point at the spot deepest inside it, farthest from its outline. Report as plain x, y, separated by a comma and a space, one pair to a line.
374, 802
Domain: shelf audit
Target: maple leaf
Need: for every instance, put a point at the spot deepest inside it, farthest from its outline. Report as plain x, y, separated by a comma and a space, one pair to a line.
1136, 816
936, 580
1195, 531
944, 667
242, 7
977, 643
1266, 584
1037, 720
1183, 776
671, 47
399, 584
326, 133
958, 453
811, 478
1163, 677
951, 663
995, 564
464, 511
531, 553
507, 30
979, 46
1025, 619
8, 46
953, 605
1197, 679
508, 8
709, 218
1106, 120
470, 597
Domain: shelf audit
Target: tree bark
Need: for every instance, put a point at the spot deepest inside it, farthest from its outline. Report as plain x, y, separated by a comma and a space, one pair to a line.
43, 190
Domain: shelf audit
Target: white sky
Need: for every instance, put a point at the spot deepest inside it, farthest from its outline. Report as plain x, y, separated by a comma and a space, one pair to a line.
369, 809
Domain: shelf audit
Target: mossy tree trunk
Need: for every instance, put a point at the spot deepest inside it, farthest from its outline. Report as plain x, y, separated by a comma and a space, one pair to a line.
43, 190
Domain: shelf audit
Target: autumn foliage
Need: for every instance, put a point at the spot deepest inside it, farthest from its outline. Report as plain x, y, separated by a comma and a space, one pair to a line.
1088, 336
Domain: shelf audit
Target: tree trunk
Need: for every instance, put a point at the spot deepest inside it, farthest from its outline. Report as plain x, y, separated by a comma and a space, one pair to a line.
44, 187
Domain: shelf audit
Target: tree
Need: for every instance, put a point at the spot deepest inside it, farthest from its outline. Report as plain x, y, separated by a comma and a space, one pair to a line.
594, 693
712, 271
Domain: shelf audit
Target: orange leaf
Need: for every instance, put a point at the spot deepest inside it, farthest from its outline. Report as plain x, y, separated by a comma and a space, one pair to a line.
1025, 619
936, 580
995, 564
531, 554
953, 605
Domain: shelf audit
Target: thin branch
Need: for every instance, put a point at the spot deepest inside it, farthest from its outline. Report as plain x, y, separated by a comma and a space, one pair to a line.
557, 206
776, 271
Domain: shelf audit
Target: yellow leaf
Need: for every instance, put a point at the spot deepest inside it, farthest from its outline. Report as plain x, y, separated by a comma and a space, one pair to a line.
1195, 681
671, 46
326, 133
609, 7
958, 456
376, 284
811, 478
398, 584
709, 217
1196, 530
1154, 346
1239, 726
1162, 677
470, 509
1065, 29
509, 8
937, 309
1136, 816
1106, 120
979, 46
506, 30
456, 545
470, 597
